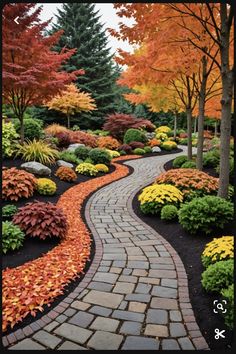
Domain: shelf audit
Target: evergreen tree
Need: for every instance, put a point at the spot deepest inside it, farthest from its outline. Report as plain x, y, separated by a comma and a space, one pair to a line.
84, 31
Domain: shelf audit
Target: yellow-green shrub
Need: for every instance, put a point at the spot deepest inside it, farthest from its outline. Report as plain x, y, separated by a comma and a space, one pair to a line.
113, 153
154, 197
169, 145
218, 250
46, 186
163, 129
161, 136
87, 169
102, 168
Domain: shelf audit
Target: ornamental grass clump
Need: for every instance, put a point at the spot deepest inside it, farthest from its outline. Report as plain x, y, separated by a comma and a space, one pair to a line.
46, 186
42, 220
37, 151
154, 197
218, 250
205, 214
191, 182
66, 174
12, 237
17, 184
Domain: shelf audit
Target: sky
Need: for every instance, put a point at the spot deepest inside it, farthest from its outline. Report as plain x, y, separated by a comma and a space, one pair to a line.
108, 17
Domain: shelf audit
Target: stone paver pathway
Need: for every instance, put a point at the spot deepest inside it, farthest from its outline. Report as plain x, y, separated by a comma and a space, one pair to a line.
135, 294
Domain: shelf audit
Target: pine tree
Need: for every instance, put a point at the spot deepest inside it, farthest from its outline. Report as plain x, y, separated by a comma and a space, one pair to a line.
84, 31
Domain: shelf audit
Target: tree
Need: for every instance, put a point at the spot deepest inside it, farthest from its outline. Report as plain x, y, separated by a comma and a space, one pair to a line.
70, 101
31, 70
83, 30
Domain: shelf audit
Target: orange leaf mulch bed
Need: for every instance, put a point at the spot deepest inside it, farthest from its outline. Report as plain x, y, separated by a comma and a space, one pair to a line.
25, 289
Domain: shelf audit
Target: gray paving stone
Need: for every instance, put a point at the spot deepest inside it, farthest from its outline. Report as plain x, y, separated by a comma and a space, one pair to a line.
105, 324
116, 270
157, 316
127, 271
162, 273
170, 344
138, 297
140, 272
147, 280
69, 312
130, 327
97, 285
128, 278
67, 345
51, 326
156, 330
142, 288
123, 288
121, 234
137, 306
62, 318
162, 266
177, 330
27, 344
140, 343
99, 310
175, 316
105, 277
165, 304
134, 251
128, 315
186, 343
165, 292
81, 319
115, 256
161, 260
171, 283
119, 264
104, 299
74, 333
123, 305
80, 305
105, 341
138, 264
47, 339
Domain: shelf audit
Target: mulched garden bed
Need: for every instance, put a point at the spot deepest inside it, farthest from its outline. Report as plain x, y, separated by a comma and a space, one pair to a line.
189, 248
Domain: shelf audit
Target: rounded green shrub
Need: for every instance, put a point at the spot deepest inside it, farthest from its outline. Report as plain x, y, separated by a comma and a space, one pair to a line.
134, 135
189, 164
169, 212
12, 237
218, 276
82, 152
32, 128
179, 161
205, 214
147, 149
211, 158
228, 295
139, 151
8, 211
69, 157
98, 155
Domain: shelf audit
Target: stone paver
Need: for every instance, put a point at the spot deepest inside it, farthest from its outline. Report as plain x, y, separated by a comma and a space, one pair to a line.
130, 292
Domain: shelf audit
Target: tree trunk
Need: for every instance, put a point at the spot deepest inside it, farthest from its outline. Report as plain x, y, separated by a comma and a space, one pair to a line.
68, 121
195, 126
215, 129
22, 133
201, 114
226, 102
175, 125
189, 132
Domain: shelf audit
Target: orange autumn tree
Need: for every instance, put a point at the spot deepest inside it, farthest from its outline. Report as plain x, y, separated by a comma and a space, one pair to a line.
70, 101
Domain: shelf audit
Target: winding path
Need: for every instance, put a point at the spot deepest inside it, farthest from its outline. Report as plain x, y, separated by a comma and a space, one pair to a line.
135, 294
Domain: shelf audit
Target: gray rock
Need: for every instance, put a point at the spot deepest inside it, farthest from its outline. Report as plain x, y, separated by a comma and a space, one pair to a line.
64, 164
150, 135
72, 147
156, 149
36, 168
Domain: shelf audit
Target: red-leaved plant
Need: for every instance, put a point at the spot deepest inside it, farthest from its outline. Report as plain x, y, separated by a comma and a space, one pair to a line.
83, 138
136, 144
43, 220
66, 174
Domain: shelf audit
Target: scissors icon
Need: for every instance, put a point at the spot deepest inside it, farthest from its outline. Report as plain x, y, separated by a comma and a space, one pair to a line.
219, 333
219, 306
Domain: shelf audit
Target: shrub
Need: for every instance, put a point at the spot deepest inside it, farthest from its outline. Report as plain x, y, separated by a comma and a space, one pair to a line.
46, 186
134, 135
190, 181
66, 174
183, 141
136, 145
123, 153
126, 148
139, 151
100, 156
99, 132
211, 158
82, 152
169, 145
68, 157
86, 169
205, 214
228, 295
154, 142
9, 136
54, 129
12, 237
108, 142
163, 129
169, 212
32, 128
119, 123
102, 168
218, 250
154, 197
89, 160
189, 164
63, 139
83, 138
17, 184
147, 149
218, 276
179, 161
113, 154
8, 211
231, 168
161, 136
183, 135
43, 220
75, 127
37, 151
